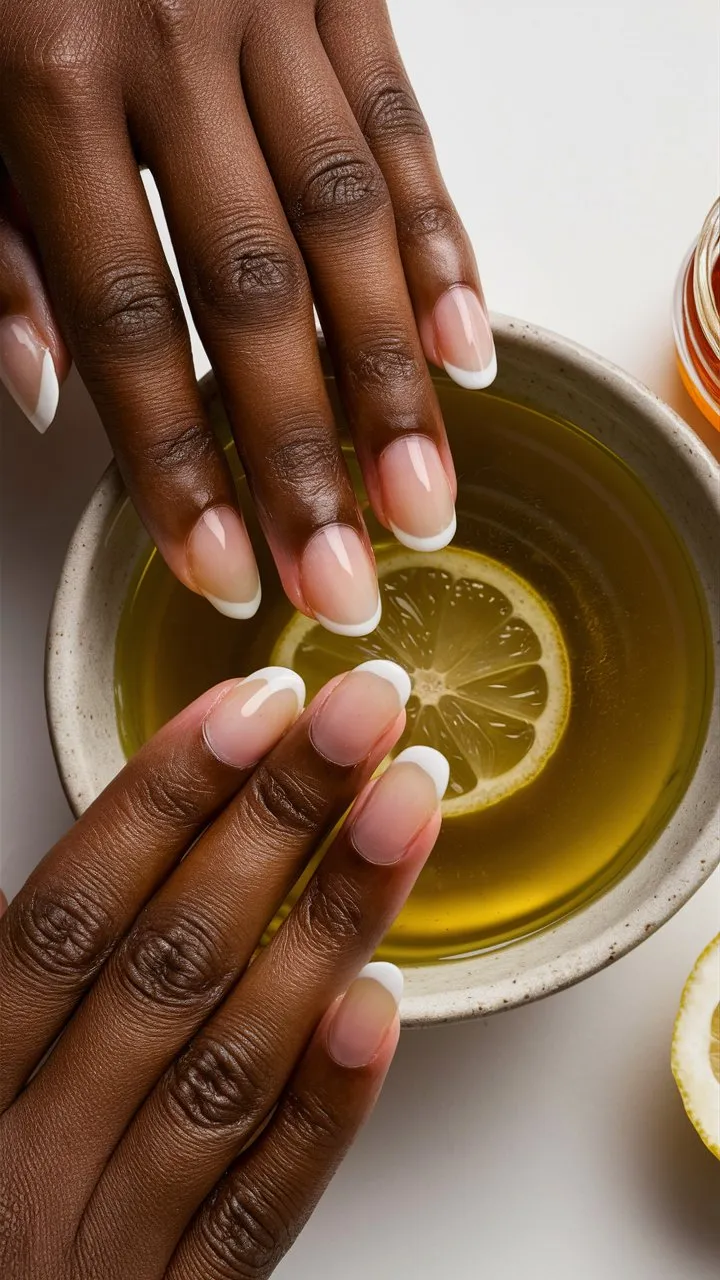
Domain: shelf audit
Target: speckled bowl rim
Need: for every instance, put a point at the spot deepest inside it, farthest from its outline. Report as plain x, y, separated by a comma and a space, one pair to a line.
611, 925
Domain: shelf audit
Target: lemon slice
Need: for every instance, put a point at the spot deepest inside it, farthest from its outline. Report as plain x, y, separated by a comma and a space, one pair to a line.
489, 668
696, 1047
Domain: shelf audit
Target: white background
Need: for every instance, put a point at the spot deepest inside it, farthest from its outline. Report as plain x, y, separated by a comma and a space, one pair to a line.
580, 141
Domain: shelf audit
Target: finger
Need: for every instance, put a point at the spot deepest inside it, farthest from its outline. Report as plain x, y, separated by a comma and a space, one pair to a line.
200, 931
268, 1194
123, 321
33, 357
60, 929
439, 262
342, 217
218, 1094
250, 297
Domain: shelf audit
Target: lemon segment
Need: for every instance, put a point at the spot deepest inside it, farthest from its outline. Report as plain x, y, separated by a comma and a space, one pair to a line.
696, 1047
487, 661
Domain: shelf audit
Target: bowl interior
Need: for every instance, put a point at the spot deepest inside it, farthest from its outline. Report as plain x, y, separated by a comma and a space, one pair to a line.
544, 373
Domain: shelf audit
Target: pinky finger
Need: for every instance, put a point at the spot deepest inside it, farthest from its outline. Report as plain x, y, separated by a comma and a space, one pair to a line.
34, 359
256, 1213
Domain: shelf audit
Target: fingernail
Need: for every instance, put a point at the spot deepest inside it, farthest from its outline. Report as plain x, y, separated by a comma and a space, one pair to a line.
365, 1015
360, 709
339, 582
28, 371
222, 563
416, 494
400, 804
249, 720
464, 338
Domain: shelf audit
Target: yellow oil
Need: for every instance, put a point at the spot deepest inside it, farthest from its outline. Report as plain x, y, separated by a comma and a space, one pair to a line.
565, 514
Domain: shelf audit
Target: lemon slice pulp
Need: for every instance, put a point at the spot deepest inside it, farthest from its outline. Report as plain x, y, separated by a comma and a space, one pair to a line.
488, 664
696, 1047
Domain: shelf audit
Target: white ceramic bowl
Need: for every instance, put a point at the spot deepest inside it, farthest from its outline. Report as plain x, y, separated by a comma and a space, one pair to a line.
547, 373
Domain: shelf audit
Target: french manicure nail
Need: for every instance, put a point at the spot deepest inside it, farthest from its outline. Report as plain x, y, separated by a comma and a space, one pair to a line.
249, 720
222, 563
464, 338
359, 710
365, 1015
339, 582
28, 371
400, 804
416, 494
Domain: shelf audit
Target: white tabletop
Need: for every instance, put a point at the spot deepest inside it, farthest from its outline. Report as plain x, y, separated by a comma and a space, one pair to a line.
580, 141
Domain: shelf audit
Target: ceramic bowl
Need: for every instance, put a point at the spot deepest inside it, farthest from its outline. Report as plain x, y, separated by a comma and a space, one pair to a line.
549, 374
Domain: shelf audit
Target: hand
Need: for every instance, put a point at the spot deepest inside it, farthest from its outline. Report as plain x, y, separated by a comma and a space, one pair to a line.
193, 1106
293, 164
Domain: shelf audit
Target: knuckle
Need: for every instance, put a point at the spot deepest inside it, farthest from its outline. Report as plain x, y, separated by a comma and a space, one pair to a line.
244, 1230
330, 912
305, 461
60, 933
171, 963
339, 187
131, 308
279, 798
173, 450
390, 111
59, 67
315, 1125
249, 272
168, 796
215, 1087
428, 219
382, 362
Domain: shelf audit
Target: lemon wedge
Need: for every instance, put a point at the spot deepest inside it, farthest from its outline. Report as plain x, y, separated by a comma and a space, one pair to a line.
696, 1047
487, 660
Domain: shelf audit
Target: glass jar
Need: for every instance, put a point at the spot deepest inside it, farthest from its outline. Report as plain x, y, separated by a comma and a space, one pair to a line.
696, 319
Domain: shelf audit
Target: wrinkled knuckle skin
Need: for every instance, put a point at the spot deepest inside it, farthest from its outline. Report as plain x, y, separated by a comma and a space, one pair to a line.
172, 963
380, 363
339, 190
60, 933
242, 1233
127, 310
217, 1087
316, 1126
168, 796
177, 450
279, 798
245, 274
330, 913
426, 220
390, 111
304, 462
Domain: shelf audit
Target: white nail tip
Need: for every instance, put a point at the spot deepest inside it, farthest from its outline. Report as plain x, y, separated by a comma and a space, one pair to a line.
239, 610
473, 379
432, 762
351, 628
387, 975
393, 673
279, 678
48, 396
436, 543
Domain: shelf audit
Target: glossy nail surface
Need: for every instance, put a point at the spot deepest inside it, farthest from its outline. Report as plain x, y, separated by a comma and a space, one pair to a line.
464, 339
339, 582
401, 803
365, 1015
28, 371
359, 710
416, 494
222, 563
248, 720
